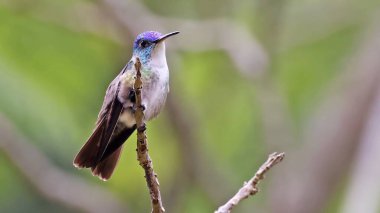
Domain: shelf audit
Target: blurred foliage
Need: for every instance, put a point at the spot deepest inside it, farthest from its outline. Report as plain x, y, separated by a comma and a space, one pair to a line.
53, 79
305, 71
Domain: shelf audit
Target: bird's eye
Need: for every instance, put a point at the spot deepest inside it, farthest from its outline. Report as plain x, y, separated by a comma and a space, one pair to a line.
144, 43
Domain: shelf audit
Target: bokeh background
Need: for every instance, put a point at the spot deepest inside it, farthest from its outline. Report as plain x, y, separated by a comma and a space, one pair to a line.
247, 78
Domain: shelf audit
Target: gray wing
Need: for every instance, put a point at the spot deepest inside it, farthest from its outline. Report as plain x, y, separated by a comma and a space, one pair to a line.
110, 96
95, 147
113, 91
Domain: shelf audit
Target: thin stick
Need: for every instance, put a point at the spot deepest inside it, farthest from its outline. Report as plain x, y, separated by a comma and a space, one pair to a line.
250, 188
142, 147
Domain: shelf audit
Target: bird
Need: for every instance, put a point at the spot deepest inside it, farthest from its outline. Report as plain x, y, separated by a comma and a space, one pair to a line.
116, 122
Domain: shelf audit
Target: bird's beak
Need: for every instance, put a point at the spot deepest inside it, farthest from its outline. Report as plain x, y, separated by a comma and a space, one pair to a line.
162, 38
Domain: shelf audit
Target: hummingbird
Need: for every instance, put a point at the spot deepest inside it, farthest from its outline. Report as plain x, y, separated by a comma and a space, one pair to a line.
116, 121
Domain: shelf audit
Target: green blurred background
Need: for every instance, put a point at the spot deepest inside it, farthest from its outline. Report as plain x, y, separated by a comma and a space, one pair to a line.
298, 76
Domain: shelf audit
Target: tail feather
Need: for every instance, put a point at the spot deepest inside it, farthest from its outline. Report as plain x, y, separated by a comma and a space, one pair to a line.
87, 156
105, 168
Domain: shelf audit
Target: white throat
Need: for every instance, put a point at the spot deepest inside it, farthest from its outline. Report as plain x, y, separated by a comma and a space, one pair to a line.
158, 63
159, 56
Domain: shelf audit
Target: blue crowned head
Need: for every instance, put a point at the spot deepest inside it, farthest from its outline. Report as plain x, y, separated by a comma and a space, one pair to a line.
150, 44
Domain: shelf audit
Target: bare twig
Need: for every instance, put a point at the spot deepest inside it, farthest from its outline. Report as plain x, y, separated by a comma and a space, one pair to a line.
250, 188
142, 147
52, 182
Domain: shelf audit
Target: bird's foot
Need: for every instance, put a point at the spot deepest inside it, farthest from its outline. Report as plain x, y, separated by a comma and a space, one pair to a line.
134, 108
142, 107
141, 128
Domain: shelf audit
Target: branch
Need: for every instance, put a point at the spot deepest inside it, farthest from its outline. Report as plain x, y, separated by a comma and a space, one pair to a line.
52, 182
250, 188
142, 147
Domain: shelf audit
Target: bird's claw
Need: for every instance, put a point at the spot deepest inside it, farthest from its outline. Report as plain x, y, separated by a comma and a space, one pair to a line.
141, 128
142, 107
134, 108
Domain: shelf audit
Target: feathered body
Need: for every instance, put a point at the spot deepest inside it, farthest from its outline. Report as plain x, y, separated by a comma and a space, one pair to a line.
116, 121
